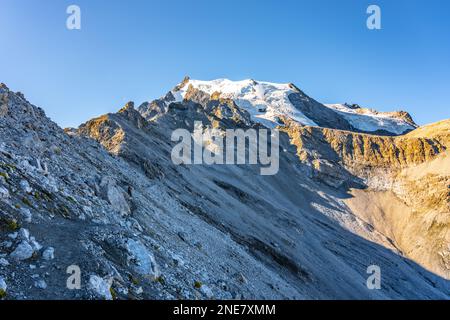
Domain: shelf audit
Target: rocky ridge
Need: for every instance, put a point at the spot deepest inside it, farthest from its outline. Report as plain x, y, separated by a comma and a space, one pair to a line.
107, 198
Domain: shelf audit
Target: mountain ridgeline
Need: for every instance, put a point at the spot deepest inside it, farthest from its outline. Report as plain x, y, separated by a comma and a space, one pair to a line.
355, 188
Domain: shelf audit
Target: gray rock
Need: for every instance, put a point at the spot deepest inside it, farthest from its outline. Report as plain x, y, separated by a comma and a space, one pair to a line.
6, 244
25, 186
100, 287
24, 234
4, 262
115, 195
13, 235
34, 244
23, 251
207, 291
143, 260
40, 284
4, 193
26, 213
49, 253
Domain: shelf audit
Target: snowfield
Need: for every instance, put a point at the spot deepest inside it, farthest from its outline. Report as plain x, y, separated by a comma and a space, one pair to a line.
371, 121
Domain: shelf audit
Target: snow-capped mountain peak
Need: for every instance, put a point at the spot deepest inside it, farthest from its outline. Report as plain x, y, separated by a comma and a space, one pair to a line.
268, 102
265, 101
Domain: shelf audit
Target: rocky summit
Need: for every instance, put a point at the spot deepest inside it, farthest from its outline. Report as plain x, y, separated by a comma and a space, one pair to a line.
102, 212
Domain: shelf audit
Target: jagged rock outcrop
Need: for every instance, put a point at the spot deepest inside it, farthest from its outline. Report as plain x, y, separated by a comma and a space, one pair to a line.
364, 155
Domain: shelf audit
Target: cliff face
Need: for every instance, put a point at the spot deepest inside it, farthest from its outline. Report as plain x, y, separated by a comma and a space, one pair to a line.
404, 183
365, 150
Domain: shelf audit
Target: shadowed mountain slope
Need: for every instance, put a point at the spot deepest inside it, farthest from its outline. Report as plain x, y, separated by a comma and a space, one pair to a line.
107, 198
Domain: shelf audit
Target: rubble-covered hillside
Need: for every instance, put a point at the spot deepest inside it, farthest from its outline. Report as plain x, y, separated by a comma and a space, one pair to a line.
107, 199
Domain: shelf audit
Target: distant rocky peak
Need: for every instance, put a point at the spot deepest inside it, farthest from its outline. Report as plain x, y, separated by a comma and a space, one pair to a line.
3, 86
129, 105
179, 86
133, 115
128, 110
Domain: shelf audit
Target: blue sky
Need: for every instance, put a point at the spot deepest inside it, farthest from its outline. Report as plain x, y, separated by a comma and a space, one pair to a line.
138, 50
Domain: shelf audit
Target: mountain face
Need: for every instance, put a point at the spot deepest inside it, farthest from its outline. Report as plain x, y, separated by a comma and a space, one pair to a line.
355, 188
372, 121
266, 102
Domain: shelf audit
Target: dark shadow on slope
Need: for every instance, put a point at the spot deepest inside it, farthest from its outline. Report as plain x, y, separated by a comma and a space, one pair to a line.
352, 250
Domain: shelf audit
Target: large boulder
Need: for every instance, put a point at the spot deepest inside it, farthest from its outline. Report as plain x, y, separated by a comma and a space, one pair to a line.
111, 192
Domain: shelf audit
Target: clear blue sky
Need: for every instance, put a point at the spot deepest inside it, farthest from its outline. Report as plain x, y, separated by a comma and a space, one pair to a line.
138, 50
